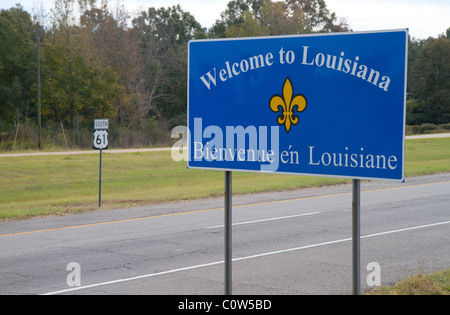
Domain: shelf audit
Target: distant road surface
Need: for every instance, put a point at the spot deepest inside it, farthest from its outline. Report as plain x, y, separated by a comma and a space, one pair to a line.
296, 242
112, 151
83, 152
436, 135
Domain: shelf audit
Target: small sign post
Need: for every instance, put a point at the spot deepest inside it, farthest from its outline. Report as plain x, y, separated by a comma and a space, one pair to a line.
100, 143
228, 232
356, 236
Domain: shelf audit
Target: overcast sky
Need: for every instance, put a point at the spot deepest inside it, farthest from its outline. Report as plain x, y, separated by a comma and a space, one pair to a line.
423, 18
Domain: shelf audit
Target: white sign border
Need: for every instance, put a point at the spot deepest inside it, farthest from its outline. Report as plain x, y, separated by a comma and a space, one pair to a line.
406, 30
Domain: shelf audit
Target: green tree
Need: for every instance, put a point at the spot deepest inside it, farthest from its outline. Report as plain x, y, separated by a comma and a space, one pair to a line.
266, 17
163, 35
248, 27
234, 16
317, 16
434, 88
117, 50
78, 87
17, 65
447, 33
429, 81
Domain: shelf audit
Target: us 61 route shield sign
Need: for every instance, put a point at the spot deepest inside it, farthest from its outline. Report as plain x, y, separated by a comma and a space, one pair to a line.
326, 105
100, 141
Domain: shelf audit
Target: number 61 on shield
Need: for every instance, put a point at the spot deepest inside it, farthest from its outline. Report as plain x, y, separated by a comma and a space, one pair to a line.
100, 139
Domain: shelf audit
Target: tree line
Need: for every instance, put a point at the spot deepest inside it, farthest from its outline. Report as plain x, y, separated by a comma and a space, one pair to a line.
96, 61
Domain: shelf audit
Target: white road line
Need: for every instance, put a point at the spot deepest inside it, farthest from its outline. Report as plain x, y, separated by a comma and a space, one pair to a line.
242, 258
266, 220
340, 241
133, 278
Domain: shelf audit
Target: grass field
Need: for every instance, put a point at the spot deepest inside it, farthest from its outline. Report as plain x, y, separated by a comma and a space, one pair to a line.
49, 185
421, 284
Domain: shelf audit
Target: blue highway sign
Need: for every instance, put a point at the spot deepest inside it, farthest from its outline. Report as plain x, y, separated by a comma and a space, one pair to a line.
321, 104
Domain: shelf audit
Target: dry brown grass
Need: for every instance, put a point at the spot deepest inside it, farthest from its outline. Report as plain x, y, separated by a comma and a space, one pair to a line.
420, 284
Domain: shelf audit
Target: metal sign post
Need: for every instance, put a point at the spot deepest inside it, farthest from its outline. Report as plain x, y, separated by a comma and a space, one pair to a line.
228, 233
100, 143
100, 182
356, 236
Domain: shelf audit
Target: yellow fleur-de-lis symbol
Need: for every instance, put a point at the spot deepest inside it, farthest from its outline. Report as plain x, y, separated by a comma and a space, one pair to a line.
288, 104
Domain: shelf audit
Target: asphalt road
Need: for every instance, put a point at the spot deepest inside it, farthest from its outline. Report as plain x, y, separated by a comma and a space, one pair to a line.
296, 242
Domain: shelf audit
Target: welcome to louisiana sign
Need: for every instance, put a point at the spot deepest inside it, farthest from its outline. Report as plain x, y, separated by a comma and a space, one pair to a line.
326, 105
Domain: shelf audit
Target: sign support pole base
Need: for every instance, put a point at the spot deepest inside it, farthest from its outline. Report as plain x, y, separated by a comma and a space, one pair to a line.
100, 182
356, 236
228, 232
